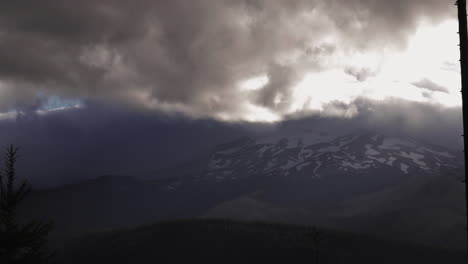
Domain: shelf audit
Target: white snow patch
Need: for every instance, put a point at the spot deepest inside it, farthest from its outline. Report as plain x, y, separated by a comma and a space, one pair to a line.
302, 165
278, 152
391, 160
381, 160
415, 157
216, 164
370, 151
347, 141
404, 168
305, 153
319, 164
229, 151
350, 156
443, 154
270, 165
262, 150
329, 149
336, 157
375, 137
290, 164
356, 166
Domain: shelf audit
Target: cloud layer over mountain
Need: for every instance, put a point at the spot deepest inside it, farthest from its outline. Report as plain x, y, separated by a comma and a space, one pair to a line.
79, 143
190, 56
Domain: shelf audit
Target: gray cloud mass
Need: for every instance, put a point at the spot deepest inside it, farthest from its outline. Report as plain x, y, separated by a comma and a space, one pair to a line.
360, 74
189, 55
430, 85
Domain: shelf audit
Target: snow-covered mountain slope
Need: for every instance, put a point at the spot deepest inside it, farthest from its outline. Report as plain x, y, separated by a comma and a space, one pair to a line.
319, 154
392, 186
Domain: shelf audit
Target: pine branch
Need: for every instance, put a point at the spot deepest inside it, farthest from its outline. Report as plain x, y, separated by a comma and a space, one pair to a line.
19, 243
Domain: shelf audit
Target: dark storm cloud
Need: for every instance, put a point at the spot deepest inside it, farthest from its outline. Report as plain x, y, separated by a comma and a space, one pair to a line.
68, 146
431, 123
430, 85
76, 144
278, 92
188, 54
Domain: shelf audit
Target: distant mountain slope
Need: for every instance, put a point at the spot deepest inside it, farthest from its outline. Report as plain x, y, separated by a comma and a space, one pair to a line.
317, 154
394, 187
220, 241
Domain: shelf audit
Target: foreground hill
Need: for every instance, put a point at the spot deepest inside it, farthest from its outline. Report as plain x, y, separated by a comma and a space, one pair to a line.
221, 241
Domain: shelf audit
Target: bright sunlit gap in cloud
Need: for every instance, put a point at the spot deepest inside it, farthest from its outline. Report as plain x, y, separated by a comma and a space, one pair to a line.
57, 103
8, 115
48, 104
254, 83
427, 57
427, 71
432, 55
255, 113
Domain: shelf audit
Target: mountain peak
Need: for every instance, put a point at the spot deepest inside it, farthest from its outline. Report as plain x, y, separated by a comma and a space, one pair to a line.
313, 154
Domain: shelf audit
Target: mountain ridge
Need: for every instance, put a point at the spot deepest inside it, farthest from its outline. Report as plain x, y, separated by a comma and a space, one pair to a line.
353, 182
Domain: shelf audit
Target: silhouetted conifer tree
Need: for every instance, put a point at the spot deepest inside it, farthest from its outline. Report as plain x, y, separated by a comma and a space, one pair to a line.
19, 243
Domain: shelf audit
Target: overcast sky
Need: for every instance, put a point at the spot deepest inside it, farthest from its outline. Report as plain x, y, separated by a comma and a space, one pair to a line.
254, 60
88, 82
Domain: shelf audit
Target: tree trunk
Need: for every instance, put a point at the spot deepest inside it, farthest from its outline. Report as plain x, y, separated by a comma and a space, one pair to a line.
462, 30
